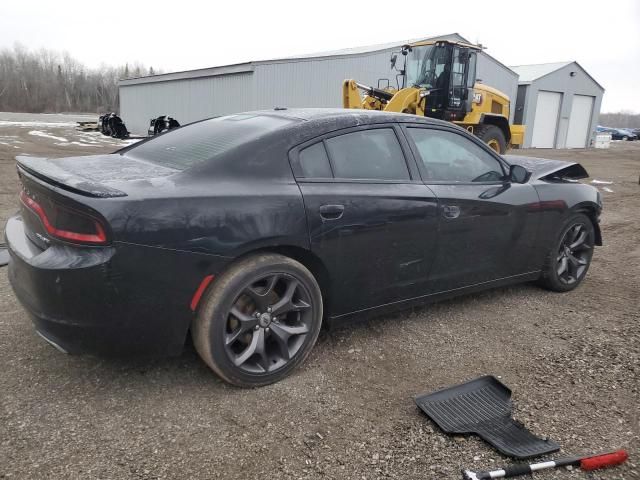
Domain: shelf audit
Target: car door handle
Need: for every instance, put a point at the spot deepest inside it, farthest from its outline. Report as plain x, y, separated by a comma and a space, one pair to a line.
331, 212
450, 211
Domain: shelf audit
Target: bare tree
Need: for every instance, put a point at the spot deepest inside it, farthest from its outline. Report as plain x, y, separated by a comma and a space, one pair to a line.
623, 119
49, 81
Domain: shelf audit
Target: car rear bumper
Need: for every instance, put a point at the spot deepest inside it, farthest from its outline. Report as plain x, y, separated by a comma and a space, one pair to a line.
122, 299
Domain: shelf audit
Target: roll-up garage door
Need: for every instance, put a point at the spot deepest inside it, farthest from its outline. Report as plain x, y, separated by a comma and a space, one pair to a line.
579, 121
545, 123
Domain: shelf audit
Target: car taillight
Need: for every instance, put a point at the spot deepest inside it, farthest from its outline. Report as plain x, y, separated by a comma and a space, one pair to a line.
66, 224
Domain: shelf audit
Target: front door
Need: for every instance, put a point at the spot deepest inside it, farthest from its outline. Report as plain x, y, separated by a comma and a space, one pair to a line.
487, 225
371, 220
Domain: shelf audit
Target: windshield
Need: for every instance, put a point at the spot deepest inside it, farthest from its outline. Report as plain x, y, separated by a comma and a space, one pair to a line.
201, 141
427, 66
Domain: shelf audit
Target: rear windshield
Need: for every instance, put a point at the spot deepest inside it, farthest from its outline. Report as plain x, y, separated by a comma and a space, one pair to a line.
202, 141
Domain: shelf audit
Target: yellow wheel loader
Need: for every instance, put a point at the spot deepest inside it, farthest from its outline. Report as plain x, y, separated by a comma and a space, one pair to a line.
438, 80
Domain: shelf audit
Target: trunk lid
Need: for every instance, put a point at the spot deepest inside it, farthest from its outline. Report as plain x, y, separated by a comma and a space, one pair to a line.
52, 204
92, 176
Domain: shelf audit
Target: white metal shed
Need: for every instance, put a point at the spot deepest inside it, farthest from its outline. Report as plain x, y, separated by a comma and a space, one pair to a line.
559, 103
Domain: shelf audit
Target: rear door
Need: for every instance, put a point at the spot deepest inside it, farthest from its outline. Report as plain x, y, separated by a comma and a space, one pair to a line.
371, 220
580, 121
487, 227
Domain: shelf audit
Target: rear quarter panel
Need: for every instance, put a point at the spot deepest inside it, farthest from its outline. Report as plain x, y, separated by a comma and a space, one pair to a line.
244, 201
225, 218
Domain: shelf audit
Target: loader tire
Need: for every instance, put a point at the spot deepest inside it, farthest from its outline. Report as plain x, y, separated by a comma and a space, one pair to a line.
492, 136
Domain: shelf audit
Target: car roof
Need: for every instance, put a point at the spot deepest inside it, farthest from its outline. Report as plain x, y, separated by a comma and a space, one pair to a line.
347, 116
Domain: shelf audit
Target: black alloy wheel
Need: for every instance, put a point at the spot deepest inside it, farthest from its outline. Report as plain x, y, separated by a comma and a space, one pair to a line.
259, 320
568, 261
268, 323
574, 254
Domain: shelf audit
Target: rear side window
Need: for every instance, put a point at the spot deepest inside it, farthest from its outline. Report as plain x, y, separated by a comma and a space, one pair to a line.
314, 162
196, 143
368, 154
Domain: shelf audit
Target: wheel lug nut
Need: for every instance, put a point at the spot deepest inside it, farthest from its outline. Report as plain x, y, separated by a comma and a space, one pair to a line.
269, 309
257, 327
266, 329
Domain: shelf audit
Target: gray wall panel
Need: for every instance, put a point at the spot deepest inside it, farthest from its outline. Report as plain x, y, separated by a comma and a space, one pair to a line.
495, 75
301, 82
317, 82
185, 100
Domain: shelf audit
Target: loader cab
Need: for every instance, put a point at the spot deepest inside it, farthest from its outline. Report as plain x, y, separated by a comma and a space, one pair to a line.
445, 72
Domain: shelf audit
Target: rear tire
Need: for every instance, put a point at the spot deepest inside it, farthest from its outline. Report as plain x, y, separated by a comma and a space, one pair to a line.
492, 136
259, 321
569, 259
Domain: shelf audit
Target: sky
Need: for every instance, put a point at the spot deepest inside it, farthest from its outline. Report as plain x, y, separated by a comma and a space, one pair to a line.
603, 37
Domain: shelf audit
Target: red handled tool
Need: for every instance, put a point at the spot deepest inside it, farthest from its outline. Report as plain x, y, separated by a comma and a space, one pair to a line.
594, 462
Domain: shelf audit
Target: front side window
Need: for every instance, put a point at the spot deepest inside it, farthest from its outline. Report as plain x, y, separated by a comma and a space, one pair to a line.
450, 157
368, 154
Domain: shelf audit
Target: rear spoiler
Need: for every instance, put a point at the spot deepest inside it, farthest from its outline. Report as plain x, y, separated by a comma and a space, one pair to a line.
48, 171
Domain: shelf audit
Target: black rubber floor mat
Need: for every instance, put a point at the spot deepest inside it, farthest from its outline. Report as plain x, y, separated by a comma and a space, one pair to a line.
483, 406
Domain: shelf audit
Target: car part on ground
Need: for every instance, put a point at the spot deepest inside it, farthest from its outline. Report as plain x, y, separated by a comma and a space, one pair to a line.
586, 463
89, 126
483, 406
121, 253
112, 125
438, 80
161, 124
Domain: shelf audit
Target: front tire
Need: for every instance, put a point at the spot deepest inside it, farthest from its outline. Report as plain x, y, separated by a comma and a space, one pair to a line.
259, 321
569, 259
492, 136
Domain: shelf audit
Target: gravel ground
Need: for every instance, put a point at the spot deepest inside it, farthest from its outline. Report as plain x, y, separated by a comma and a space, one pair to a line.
572, 361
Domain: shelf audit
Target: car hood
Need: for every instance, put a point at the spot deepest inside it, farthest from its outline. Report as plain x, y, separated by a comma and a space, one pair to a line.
94, 175
544, 168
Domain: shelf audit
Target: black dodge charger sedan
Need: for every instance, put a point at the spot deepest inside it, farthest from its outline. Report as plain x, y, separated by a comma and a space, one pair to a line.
250, 230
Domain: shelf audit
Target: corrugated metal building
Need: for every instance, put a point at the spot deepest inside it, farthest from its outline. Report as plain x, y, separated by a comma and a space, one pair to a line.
559, 103
304, 81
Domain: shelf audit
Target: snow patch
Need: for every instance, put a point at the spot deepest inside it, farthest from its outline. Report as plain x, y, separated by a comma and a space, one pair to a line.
40, 133
65, 143
9, 123
9, 139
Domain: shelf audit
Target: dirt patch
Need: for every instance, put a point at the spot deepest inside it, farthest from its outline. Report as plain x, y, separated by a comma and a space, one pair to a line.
572, 361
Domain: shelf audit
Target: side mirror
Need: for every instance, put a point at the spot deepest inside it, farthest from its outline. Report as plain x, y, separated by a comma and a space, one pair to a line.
394, 59
519, 174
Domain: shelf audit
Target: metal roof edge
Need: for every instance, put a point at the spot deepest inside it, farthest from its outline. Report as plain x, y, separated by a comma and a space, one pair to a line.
245, 67
248, 66
353, 51
566, 64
